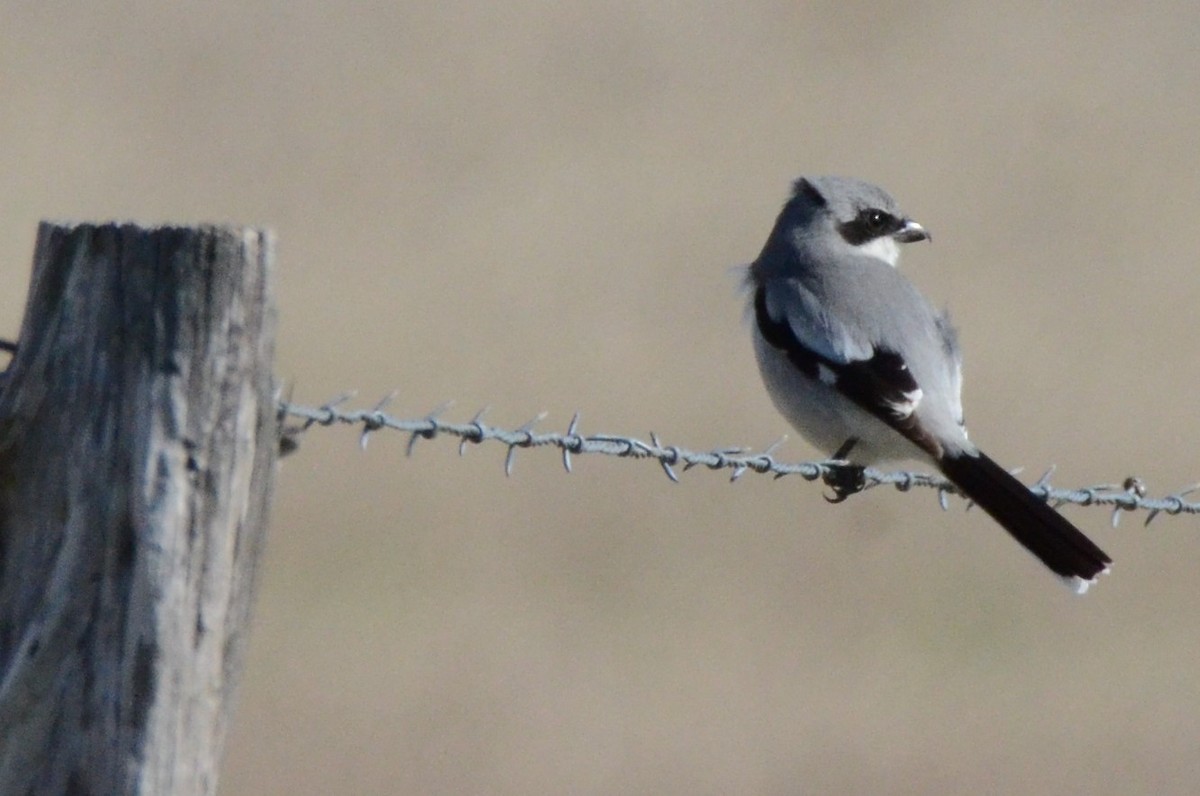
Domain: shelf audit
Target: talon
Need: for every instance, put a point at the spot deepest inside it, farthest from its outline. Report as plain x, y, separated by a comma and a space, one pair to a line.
845, 480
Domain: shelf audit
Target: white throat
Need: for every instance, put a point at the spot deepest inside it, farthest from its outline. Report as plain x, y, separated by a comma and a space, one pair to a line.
882, 248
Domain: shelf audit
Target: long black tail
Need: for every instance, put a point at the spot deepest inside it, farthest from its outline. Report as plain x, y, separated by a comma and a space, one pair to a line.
1040, 529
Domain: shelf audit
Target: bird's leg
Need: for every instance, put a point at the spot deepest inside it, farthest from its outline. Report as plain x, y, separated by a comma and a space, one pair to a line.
844, 479
841, 453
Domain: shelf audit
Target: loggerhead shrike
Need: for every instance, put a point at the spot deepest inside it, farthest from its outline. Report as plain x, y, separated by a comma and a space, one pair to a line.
861, 364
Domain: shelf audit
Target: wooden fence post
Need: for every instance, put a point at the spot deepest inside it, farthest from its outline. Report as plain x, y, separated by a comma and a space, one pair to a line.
138, 439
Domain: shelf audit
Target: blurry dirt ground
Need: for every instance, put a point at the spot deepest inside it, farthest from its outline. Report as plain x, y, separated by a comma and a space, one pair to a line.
536, 206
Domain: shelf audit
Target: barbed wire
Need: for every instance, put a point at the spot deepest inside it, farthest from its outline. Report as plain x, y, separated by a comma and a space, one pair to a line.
1129, 495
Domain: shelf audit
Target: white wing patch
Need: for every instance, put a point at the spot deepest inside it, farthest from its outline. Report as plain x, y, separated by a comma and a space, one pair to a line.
826, 375
904, 409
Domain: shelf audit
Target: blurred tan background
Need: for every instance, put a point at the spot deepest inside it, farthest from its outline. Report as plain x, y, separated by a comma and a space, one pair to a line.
536, 206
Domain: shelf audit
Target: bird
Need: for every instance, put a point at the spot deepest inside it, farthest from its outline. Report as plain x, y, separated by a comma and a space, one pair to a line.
862, 365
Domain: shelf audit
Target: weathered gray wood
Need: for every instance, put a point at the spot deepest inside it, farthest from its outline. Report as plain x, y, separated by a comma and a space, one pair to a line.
137, 448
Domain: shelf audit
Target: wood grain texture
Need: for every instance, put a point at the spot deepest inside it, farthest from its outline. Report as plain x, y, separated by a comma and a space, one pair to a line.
137, 448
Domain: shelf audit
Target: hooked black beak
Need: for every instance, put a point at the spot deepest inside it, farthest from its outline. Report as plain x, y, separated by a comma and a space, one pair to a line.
912, 232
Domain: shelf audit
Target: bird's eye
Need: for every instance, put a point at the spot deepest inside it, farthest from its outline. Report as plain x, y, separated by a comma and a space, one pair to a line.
876, 220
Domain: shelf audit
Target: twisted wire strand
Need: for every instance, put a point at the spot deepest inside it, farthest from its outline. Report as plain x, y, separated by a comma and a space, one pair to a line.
1129, 495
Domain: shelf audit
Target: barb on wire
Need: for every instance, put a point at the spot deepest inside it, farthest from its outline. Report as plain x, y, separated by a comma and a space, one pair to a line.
1130, 495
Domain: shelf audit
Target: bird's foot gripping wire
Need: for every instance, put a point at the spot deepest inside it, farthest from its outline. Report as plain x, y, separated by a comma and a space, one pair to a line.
845, 480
